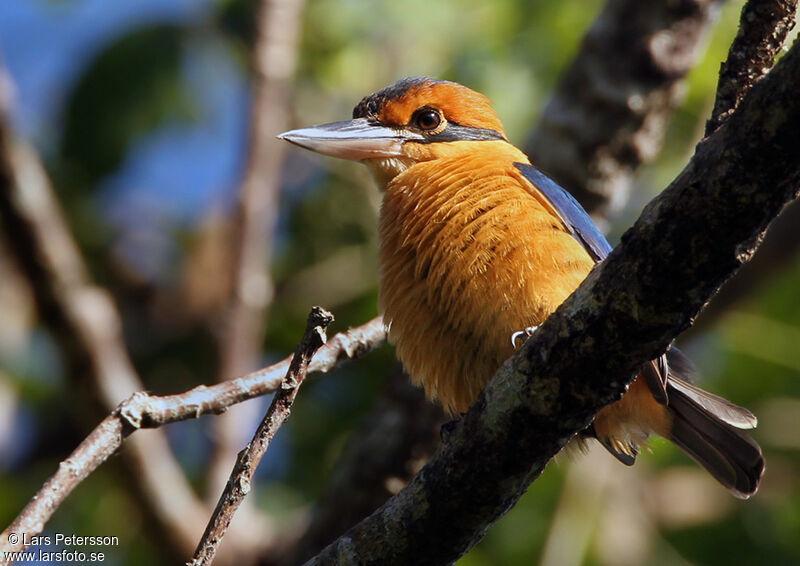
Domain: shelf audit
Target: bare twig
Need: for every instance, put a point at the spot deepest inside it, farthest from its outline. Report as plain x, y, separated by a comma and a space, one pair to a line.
85, 321
708, 223
93, 451
143, 410
242, 331
609, 112
238, 485
763, 27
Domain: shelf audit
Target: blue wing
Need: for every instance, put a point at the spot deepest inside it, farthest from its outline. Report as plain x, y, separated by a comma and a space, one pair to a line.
575, 218
580, 225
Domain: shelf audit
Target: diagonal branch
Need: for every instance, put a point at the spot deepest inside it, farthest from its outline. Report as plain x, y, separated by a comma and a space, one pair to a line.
605, 119
687, 243
763, 27
143, 410
238, 485
779, 246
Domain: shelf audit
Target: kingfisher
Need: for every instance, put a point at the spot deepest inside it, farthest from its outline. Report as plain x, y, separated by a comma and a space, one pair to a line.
477, 244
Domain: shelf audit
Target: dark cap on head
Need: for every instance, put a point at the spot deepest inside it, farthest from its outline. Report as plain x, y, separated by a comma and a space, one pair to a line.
370, 105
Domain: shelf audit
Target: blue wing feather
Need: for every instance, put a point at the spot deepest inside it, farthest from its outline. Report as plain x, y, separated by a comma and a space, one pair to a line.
580, 225
575, 218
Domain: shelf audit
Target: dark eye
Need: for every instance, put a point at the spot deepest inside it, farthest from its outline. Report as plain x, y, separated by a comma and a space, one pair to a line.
427, 119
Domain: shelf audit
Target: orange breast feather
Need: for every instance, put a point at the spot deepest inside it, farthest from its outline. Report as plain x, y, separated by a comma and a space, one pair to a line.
468, 256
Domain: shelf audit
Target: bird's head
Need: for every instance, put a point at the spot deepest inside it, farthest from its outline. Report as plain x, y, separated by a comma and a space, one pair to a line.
414, 120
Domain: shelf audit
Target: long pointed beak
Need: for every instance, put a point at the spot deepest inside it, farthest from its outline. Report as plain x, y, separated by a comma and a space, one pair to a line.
352, 139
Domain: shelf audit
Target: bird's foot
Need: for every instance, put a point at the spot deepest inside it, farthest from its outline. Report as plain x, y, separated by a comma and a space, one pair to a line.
448, 428
523, 335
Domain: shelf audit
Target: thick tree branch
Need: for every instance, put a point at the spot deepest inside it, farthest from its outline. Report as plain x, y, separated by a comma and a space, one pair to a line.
238, 485
763, 27
759, 39
608, 114
606, 118
780, 245
687, 242
143, 410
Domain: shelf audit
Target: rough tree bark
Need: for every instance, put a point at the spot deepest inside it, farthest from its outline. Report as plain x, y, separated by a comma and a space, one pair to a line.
763, 27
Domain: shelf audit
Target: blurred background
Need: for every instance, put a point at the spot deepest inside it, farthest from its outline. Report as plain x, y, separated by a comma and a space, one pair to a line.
141, 112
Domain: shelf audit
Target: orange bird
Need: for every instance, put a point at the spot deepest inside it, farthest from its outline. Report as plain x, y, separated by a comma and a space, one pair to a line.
477, 244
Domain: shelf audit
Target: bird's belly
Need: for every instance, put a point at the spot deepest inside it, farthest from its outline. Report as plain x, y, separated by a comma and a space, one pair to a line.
456, 287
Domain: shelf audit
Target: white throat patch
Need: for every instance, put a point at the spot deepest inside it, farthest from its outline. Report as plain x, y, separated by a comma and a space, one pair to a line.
387, 168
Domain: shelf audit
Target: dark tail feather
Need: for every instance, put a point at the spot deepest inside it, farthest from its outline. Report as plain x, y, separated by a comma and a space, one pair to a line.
729, 454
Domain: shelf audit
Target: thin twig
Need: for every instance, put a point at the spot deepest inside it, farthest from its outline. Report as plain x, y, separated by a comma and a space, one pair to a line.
278, 24
763, 27
87, 457
239, 482
143, 410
